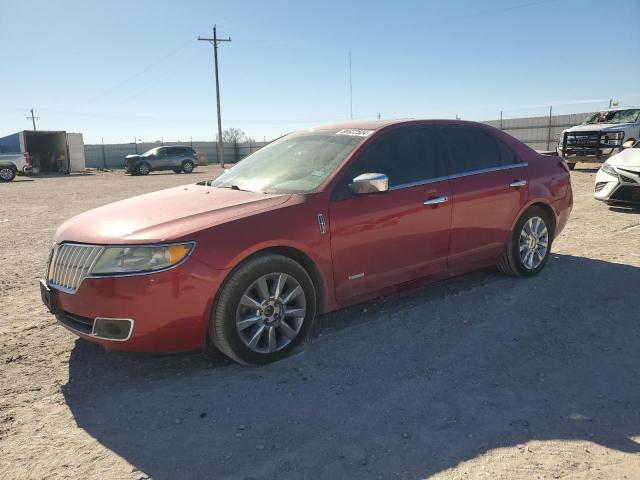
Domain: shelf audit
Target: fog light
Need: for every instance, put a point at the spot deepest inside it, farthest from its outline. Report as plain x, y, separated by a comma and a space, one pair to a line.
112, 328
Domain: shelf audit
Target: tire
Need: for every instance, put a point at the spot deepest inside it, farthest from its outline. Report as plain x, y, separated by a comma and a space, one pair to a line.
278, 334
143, 169
187, 166
571, 166
516, 264
7, 173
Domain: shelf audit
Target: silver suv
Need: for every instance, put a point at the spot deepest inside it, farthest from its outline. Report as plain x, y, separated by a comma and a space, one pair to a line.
178, 159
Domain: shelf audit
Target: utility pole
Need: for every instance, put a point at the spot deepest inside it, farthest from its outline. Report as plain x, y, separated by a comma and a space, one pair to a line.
33, 119
214, 41
549, 129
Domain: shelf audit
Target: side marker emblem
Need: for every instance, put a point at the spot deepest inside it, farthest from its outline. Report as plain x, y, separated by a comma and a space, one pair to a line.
322, 224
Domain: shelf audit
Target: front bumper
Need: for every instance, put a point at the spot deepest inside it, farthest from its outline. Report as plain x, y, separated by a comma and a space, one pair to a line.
166, 311
625, 188
587, 146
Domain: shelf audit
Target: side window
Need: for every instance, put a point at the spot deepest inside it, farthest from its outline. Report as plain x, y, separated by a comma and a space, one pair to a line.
507, 157
471, 149
171, 151
405, 156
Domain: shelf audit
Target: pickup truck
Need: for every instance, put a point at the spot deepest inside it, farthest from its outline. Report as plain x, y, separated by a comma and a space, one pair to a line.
12, 164
600, 136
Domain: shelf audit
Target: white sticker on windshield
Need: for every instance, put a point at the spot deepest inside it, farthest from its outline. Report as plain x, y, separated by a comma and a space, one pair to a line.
355, 132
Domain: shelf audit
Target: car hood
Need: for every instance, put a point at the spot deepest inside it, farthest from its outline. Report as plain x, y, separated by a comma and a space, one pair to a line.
133, 156
629, 157
164, 215
599, 127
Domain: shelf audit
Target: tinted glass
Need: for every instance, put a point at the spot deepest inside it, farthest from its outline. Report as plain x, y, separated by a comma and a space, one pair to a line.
405, 156
471, 149
174, 150
507, 157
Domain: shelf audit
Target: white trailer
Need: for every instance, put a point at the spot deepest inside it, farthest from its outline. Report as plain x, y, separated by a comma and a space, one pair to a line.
49, 151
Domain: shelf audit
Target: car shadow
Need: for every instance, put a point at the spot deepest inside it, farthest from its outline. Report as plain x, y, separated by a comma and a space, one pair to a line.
408, 385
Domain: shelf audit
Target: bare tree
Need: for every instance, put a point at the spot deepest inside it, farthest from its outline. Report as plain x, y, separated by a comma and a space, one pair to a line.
233, 135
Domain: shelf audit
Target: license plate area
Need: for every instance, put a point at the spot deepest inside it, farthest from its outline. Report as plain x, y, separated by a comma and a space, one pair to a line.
48, 297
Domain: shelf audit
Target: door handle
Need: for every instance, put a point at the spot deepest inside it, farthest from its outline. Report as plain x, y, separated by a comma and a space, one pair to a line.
436, 200
518, 183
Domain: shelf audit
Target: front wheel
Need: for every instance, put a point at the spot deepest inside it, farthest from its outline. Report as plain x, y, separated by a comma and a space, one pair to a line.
143, 169
529, 248
7, 174
264, 310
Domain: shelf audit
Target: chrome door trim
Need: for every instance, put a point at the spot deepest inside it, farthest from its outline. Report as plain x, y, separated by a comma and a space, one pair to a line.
418, 183
488, 170
436, 200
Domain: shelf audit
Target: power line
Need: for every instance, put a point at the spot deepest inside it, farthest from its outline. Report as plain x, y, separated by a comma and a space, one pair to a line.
214, 41
33, 119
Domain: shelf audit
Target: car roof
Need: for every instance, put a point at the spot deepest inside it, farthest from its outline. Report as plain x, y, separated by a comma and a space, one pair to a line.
380, 124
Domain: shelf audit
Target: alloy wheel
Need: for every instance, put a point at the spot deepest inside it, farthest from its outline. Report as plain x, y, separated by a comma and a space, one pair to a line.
533, 242
6, 174
271, 313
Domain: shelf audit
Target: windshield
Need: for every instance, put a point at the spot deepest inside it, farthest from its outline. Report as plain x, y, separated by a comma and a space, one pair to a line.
296, 163
148, 153
615, 116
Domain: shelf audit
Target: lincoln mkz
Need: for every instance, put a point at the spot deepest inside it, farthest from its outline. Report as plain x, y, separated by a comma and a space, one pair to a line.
313, 222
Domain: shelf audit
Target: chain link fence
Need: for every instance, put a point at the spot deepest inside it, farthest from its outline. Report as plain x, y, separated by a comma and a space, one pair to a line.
540, 133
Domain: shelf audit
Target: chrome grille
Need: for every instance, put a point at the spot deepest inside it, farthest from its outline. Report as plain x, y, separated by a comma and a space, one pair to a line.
70, 264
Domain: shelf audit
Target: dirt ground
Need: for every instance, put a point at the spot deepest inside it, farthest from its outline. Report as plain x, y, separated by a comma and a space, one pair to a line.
478, 377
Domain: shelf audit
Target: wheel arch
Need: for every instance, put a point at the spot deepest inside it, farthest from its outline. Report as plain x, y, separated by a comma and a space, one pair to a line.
297, 255
545, 206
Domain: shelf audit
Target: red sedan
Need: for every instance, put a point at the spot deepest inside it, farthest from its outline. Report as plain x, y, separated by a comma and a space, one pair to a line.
315, 221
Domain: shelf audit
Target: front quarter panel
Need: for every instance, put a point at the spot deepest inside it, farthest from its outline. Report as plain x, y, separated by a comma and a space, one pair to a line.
293, 225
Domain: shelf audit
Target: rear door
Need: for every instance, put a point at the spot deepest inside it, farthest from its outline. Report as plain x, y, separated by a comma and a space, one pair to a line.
384, 239
489, 186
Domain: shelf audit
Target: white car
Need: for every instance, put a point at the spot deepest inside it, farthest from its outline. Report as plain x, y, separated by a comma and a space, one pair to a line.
618, 180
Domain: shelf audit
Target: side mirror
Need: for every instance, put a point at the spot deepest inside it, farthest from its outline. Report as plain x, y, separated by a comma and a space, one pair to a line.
370, 183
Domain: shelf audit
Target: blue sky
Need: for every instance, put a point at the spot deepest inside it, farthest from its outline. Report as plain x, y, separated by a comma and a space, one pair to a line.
125, 69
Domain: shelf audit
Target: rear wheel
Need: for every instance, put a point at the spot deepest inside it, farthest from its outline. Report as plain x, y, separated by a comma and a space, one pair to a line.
264, 310
7, 174
529, 248
143, 169
187, 166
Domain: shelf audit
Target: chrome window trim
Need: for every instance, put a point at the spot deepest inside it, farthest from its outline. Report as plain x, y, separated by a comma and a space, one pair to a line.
488, 170
458, 175
114, 275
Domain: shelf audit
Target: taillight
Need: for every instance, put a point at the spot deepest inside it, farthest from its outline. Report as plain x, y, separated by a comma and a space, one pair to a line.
27, 158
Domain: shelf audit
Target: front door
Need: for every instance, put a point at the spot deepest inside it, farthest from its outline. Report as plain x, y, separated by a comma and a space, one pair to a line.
388, 238
489, 188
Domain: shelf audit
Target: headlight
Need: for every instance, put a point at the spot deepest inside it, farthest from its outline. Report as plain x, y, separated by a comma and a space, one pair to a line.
612, 138
608, 169
140, 259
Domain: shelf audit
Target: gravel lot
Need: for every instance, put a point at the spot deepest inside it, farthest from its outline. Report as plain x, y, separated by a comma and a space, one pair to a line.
480, 376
